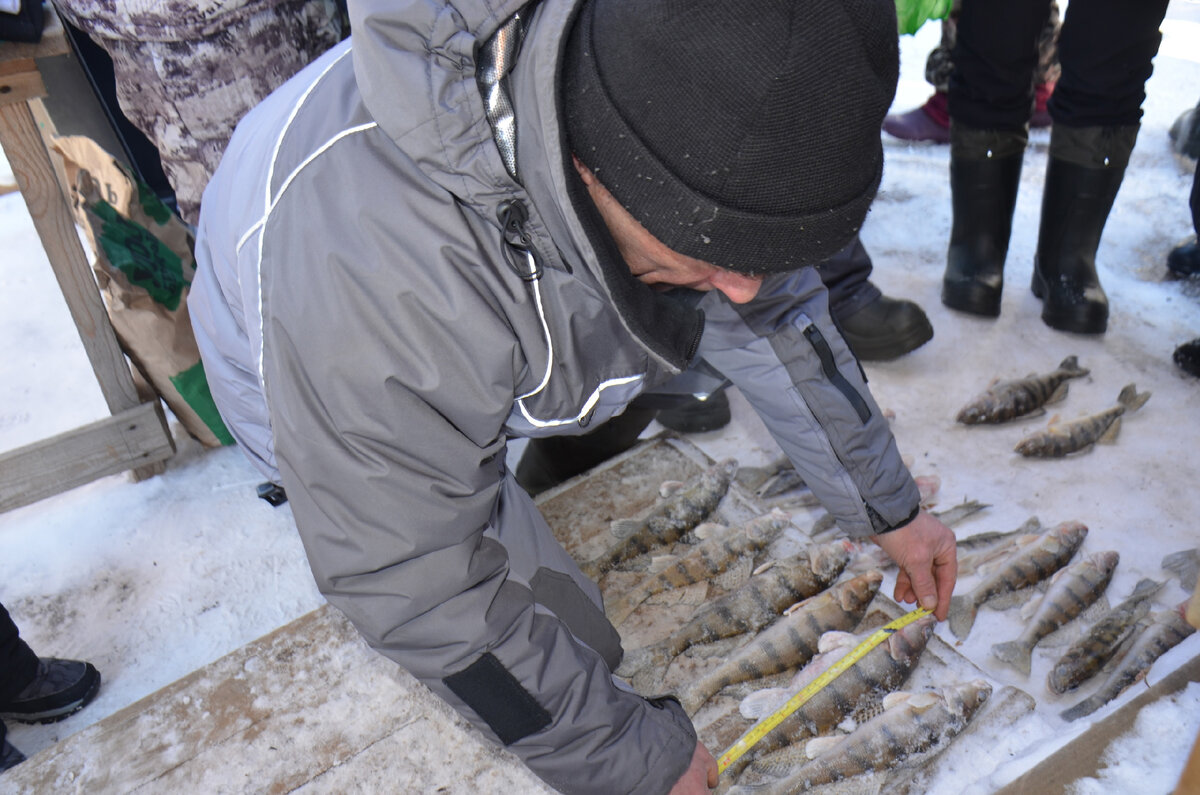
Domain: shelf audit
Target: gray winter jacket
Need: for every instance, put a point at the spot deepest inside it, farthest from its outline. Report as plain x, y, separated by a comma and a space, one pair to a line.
380, 304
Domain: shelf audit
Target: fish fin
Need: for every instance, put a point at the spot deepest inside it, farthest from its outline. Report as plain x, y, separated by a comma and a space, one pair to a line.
1131, 399
708, 530
836, 639
895, 699
762, 703
1058, 395
1014, 653
1055, 420
669, 488
1110, 434
820, 745
962, 616
751, 478
1184, 564
1071, 365
624, 528
1146, 587
1034, 413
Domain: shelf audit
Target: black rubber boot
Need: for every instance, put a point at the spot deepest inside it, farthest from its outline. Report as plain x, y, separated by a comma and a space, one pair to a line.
1084, 172
985, 172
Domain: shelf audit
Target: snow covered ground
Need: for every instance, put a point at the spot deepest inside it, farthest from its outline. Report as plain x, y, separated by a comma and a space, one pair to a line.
152, 580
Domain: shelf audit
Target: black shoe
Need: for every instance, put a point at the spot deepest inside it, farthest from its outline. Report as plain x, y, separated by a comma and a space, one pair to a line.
60, 688
697, 415
9, 756
548, 461
1187, 356
985, 174
1184, 259
885, 329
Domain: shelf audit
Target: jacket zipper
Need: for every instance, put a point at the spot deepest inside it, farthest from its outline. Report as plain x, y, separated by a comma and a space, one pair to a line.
519, 252
829, 366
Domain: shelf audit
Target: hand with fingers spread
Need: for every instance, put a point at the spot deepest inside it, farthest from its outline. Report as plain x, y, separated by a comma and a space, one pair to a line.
925, 551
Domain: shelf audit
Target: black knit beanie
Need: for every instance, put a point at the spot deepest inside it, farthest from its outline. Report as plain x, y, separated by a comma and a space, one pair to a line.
744, 134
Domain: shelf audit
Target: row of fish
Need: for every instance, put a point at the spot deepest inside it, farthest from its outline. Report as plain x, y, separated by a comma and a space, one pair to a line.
1003, 401
1123, 634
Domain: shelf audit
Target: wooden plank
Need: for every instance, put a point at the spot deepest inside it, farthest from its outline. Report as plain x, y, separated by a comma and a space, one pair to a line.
20, 81
133, 438
31, 163
306, 708
1081, 757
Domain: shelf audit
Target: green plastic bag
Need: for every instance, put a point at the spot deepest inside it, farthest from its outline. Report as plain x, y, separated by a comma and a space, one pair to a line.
912, 14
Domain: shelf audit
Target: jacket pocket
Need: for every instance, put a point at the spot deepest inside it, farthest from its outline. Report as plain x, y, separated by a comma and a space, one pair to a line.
829, 366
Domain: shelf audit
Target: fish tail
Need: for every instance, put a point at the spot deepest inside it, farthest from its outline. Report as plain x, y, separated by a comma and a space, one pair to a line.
1085, 707
624, 606
1014, 653
962, 616
1070, 366
1131, 399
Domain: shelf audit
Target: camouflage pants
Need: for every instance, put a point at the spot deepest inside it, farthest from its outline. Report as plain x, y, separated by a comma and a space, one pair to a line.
939, 64
188, 70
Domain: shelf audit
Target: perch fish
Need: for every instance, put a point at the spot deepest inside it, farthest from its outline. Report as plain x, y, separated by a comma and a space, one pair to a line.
666, 522
789, 642
710, 557
1088, 655
1029, 565
748, 609
882, 670
1007, 400
1059, 440
1165, 631
910, 723
1071, 591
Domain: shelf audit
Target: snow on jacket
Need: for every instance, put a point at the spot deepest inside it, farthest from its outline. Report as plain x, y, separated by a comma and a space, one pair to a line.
381, 304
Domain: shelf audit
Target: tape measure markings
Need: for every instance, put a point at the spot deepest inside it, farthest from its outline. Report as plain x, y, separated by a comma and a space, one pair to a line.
765, 725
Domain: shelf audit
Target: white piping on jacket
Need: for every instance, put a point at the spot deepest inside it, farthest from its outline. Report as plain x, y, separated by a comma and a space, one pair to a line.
271, 202
593, 398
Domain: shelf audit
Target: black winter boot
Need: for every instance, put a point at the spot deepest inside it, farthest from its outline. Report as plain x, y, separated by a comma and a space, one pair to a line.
1083, 174
985, 172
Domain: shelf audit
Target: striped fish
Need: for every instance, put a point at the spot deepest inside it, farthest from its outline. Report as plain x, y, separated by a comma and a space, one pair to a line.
1088, 655
1071, 591
1027, 566
1165, 630
1061, 439
910, 723
789, 642
747, 609
1007, 400
710, 557
881, 670
666, 522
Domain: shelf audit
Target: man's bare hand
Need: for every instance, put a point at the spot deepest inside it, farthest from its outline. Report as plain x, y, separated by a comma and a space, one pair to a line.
701, 775
925, 551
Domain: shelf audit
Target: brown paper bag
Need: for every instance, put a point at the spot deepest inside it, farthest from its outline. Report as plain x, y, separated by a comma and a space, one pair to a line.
144, 266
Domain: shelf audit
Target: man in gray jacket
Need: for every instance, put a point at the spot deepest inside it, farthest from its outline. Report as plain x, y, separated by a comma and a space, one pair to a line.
464, 224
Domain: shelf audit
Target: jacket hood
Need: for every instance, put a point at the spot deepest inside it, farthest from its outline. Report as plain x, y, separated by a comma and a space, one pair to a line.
441, 123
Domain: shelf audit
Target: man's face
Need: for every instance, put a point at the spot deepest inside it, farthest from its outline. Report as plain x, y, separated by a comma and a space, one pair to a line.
655, 264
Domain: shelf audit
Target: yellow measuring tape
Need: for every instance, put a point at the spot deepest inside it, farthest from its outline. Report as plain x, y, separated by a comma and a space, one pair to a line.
760, 729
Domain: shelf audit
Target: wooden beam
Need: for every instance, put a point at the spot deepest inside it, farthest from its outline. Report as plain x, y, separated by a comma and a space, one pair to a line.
133, 438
